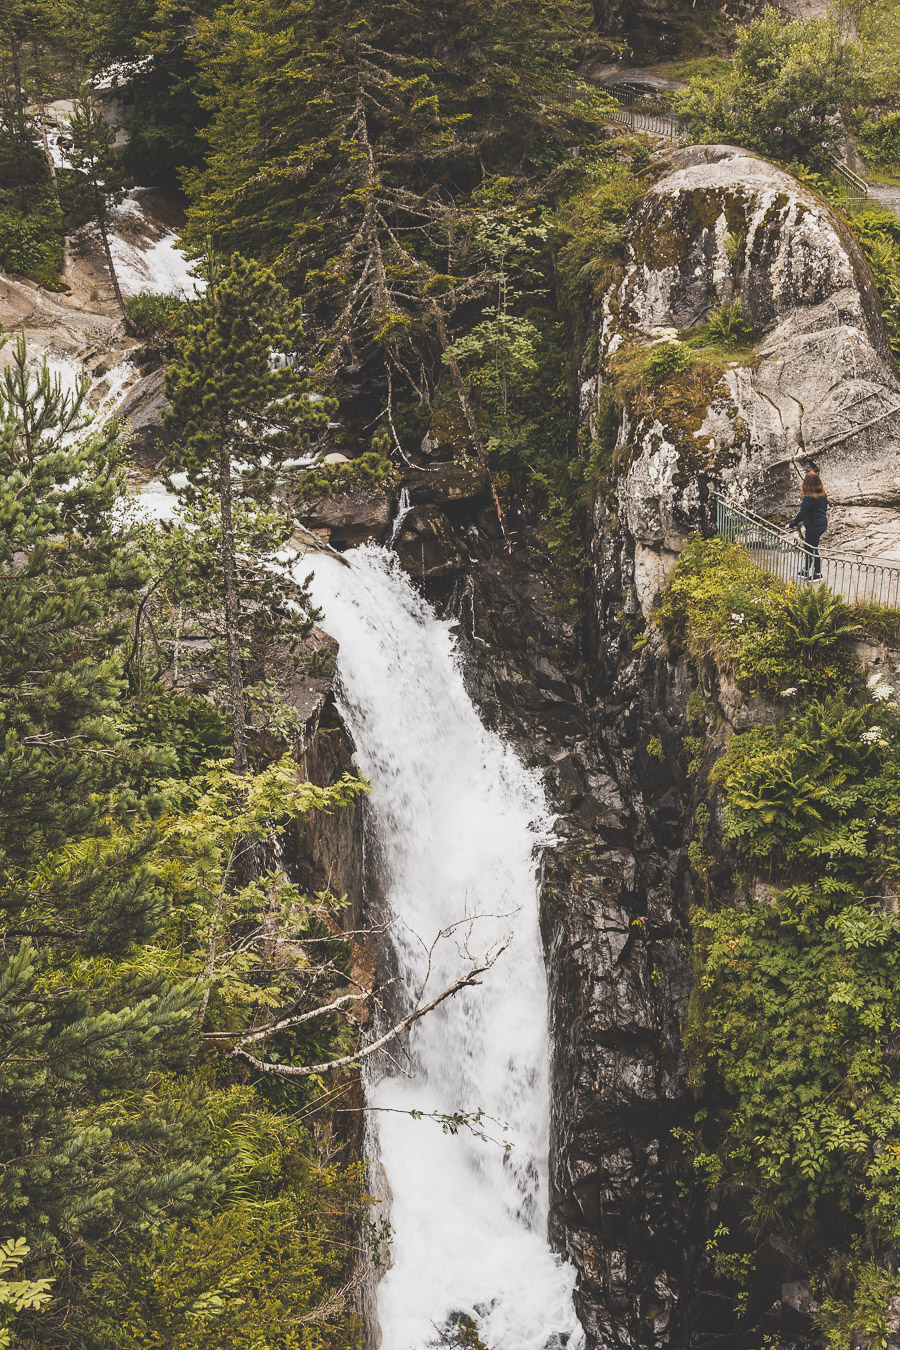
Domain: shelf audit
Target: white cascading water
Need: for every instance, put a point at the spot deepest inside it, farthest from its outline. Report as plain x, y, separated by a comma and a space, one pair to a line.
459, 824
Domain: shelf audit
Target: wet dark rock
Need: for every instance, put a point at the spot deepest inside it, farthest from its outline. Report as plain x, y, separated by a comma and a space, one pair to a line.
144, 408
429, 547
349, 518
327, 849
446, 483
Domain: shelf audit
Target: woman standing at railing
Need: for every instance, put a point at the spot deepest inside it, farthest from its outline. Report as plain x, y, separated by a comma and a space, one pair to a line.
813, 516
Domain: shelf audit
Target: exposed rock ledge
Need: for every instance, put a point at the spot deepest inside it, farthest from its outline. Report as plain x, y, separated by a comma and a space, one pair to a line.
724, 226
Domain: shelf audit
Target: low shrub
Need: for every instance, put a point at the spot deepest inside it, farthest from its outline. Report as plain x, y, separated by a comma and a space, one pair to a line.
152, 315
771, 637
880, 622
667, 359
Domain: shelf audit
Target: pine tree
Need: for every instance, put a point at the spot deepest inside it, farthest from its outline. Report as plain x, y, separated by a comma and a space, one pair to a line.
391, 118
388, 115
237, 394
77, 885
93, 156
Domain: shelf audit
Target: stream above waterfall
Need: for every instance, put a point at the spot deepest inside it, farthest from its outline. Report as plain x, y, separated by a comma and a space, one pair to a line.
457, 825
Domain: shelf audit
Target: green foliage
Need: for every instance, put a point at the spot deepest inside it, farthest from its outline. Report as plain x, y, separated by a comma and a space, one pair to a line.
274, 614
772, 637
665, 360
17, 1295
815, 620
408, 111
862, 1315
169, 1200
878, 621
262, 1268
879, 141
152, 315
735, 1267
235, 385
803, 791
371, 470
794, 1016
734, 247
515, 365
31, 240
729, 326
797, 998
591, 228
490, 93
877, 231
787, 87
237, 392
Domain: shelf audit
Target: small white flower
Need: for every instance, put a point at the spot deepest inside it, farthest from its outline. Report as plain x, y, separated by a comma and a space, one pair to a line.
738, 618
788, 693
872, 737
883, 693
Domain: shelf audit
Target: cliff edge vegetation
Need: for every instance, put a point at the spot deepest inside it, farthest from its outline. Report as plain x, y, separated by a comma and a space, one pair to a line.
793, 1020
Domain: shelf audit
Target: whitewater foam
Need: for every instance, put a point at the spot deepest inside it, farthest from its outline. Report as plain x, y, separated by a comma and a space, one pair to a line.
459, 824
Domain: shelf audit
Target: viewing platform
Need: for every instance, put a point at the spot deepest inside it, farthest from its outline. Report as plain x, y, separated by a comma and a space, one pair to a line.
859, 580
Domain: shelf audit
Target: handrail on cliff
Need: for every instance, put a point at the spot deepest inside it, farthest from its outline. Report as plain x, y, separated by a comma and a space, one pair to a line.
641, 112
853, 576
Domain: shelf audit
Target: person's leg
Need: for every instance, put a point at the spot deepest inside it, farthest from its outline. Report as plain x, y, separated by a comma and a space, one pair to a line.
803, 570
812, 539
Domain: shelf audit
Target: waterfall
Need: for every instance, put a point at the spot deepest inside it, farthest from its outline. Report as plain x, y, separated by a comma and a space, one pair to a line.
404, 506
458, 824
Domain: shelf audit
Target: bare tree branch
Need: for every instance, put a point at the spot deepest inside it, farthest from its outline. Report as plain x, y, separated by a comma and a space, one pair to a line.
466, 981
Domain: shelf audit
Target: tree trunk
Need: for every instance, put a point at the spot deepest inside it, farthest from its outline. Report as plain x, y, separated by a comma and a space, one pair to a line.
39, 80
232, 617
471, 420
101, 221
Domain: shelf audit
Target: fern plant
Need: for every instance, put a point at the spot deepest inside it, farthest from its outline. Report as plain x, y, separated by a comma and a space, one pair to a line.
816, 620
729, 326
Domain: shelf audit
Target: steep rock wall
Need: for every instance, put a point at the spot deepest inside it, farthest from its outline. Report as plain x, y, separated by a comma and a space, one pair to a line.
721, 227
820, 390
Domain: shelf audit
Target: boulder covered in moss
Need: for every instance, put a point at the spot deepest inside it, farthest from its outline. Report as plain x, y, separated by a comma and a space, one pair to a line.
790, 367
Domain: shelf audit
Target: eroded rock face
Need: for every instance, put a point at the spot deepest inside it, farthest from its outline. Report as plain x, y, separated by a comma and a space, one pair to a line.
721, 227
144, 409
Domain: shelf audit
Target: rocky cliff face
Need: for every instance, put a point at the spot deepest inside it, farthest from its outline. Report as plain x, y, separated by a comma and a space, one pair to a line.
719, 227
583, 701
723, 227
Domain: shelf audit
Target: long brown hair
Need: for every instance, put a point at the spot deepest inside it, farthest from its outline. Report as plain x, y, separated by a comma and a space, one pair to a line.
812, 485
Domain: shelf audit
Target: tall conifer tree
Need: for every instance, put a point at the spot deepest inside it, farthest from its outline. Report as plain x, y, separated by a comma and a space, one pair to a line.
75, 886
238, 394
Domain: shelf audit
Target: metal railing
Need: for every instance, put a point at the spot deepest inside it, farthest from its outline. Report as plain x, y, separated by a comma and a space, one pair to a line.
642, 112
856, 186
853, 576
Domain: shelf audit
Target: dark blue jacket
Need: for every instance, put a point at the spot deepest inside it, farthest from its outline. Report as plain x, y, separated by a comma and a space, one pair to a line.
813, 514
